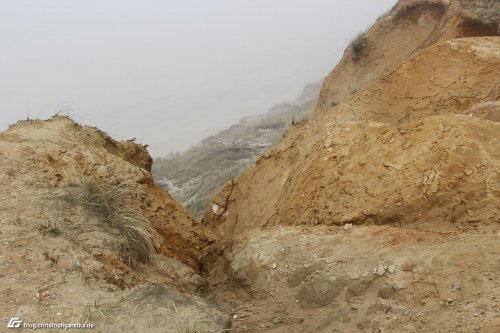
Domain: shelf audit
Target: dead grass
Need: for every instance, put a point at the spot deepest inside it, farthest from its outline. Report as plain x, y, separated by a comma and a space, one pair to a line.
359, 45
47, 226
113, 204
300, 120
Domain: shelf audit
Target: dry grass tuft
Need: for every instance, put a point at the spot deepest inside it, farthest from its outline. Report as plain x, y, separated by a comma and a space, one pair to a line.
47, 227
359, 46
112, 203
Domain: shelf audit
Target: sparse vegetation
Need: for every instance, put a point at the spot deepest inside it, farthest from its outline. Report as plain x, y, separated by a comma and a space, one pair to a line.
359, 46
47, 226
112, 203
299, 120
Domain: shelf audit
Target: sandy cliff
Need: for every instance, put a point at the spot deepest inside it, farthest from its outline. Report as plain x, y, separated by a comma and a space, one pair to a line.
381, 213
87, 237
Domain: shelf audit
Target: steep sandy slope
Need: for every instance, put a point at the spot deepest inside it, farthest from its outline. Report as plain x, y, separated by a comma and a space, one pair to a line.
381, 213
58, 152
403, 149
82, 222
410, 26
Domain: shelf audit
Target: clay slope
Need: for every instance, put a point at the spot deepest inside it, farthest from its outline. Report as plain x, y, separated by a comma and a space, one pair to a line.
82, 222
411, 147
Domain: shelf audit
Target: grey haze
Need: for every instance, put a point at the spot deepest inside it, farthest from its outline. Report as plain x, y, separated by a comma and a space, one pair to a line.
168, 72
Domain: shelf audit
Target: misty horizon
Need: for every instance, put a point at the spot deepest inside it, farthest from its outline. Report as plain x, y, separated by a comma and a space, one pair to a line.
169, 73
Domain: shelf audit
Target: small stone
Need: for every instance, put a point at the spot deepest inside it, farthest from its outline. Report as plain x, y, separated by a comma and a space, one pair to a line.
365, 274
380, 270
392, 269
407, 267
386, 292
59, 314
457, 286
449, 300
347, 227
235, 316
468, 172
276, 321
274, 265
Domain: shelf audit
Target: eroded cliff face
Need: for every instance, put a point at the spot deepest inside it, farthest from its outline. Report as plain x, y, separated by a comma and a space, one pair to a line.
404, 148
380, 213
59, 152
366, 216
86, 236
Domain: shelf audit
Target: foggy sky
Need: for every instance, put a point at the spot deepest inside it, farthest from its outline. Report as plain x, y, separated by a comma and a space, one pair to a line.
168, 72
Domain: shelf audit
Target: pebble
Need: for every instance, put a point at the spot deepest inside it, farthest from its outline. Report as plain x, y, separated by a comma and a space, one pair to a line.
276, 321
235, 316
380, 270
274, 265
59, 314
457, 286
347, 226
408, 266
392, 269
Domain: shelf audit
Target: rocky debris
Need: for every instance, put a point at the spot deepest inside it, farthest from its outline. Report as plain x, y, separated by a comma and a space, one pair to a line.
322, 286
380, 270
